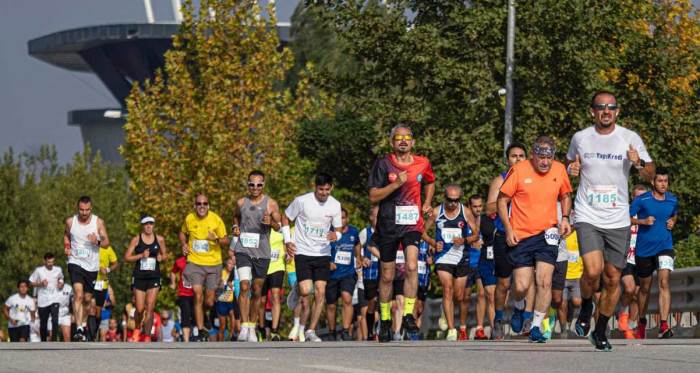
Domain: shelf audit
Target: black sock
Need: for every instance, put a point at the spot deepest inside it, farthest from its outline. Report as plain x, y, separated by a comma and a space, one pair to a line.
586, 309
601, 325
643, 320
274, 330
370, 323
92, 326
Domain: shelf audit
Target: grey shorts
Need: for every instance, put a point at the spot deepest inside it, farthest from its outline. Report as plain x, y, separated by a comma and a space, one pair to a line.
559, 275
209, 276
613, 242
572, 289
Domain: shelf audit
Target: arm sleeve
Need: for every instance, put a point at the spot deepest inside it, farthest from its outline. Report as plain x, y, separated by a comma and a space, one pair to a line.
112, 256
634, 208
337, 218
34, 277
638, 144
428, 175
377, 176
183, 228
566, 184
221, 228
571, 154
510, 184
362, 236
292, 211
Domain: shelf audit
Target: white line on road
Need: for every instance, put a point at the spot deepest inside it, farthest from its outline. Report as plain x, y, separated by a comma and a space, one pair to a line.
236, 357
341, 369
153, 350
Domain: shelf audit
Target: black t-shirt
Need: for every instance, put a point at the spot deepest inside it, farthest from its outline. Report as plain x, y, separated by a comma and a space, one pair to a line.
487, 229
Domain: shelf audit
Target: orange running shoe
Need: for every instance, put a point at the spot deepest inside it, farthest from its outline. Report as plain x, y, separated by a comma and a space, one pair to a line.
623, 318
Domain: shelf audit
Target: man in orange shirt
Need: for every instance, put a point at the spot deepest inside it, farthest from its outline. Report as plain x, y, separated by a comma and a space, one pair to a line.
533, 189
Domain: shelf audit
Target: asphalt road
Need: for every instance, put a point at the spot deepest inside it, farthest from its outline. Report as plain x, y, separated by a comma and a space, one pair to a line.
514, 356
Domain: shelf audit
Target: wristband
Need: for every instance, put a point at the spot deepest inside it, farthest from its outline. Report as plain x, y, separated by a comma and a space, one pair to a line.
108, 270
286, 234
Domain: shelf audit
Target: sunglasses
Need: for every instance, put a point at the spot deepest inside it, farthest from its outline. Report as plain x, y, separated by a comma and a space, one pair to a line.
603, 106
201, 204
403, 137
451, 200
253, 185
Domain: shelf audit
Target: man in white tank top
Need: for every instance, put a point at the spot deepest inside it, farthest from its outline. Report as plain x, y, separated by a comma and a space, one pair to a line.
85, 233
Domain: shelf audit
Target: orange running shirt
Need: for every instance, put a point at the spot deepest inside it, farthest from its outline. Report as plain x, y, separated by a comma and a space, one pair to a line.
534, 197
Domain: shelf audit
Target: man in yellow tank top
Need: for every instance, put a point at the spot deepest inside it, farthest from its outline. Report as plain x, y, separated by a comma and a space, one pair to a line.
202, 236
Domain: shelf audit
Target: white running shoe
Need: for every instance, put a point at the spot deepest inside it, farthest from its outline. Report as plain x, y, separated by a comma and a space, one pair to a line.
243, 335
451, 335
301, 337
252, 335
294, 334
311, 336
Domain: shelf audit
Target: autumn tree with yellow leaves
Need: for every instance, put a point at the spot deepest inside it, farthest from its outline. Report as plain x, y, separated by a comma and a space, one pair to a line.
218, 110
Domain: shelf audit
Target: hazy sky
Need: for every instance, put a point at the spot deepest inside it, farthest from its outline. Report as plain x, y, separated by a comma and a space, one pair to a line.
35, 97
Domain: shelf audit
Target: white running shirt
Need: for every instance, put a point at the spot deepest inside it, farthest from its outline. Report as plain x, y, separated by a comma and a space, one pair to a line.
313, 221
46, 296
21, 309
602, 195
83, 252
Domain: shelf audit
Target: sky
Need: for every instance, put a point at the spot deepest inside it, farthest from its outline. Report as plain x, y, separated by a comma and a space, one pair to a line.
35, 97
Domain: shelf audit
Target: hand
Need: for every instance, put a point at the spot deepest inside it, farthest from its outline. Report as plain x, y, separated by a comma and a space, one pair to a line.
358, 265
650, 220
427, 209
333, 266
103, 270
403, 176
670, 223
439, 245
478, 244
633, 155
458, 240
366, 262
185, 249
236, 231
291, 249
92, 238
44, 283
230, 284
13, 322
429, 260
146, 253
266, 219
564, 228
511, 238
575, 166
212, 236
173, 285
332, 236
66, 250
159, 258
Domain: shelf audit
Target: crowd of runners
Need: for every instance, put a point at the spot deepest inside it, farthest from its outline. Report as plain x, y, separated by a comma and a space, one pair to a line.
529, 241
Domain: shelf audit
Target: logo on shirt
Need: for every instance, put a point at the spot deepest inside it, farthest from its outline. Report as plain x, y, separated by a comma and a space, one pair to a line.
392, 177
527, 180
460, 224
419, 177
603, 156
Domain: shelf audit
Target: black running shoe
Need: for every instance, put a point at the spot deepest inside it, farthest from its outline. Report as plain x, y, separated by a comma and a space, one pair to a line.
409, 324
601, 344
582, 328
385, 331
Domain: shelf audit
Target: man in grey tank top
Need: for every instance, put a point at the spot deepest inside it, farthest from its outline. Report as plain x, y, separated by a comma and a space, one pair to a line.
255, 215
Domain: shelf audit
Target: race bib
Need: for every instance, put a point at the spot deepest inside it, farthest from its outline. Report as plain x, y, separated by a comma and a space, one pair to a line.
422, 268
250, 240
453, 256
400, 258
407, 215
631, 260
99, 285
374, 259
148, 264
666, 262
316, 230
448, 234
602, 196
200, 246
81, 252
343, 257
489, 252
274, 255
186, 284
573, 257
551, 235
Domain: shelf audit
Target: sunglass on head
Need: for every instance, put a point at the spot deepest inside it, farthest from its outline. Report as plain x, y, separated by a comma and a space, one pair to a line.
403, 137
451, 200
603, 106
253, 185
201, 204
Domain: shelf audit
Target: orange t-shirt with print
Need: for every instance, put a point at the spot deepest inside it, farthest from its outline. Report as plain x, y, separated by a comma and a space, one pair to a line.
534, 197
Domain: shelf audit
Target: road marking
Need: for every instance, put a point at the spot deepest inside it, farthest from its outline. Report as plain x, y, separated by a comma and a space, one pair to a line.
153, 350
341, 369
236, 357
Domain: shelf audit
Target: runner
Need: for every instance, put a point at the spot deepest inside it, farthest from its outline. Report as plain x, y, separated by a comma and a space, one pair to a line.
46, 280
370, 273
455, 228
146, 251
485, 268
397, 303
20, 312
558, 283
108, 264
274, 282
655, 213
629, 304
257, 214
84, 234
314, 214
202, 236
503, 270
64, 297
395, 184
225, 301
185, 296
345, 254
603, 155
425, 260
533, 188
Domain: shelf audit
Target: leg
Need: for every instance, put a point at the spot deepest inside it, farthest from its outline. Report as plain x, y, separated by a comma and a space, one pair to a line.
664, 294
522, 282
608, 298
151, 297
490, 293
446, 280
276, 308
347, 309
320, 298
410, 284
244, 301
386, 282
140, 304
78, 300
44, 313
255, 301
462, 297
54, 321
198, 306
331, 317
480, 304
543, 297
305, 302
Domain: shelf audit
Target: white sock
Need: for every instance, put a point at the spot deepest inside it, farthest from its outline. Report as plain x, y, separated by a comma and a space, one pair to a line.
537, 319
301, 328
520, 304
296, 322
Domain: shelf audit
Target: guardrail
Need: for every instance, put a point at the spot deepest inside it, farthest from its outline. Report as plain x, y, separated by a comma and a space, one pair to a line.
685, 305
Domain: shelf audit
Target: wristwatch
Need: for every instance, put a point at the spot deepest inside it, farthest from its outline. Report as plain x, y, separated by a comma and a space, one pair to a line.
640, 165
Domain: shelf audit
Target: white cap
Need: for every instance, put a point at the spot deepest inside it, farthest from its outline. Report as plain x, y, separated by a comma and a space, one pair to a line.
148, 219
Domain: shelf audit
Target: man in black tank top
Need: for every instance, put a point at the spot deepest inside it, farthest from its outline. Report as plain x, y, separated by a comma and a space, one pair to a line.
146, 251
253, 218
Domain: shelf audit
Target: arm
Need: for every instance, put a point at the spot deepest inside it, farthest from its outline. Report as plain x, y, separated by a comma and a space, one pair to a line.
429, 193
183, 243
112, 299
648, 172
129, 255
378, 194
495, 186
66, 237
235, 230
274, 210
102, 232
565, 225
358, 254
502, 203
472, 224
6, 312
163, 249
429, 222
290, 247
173, 280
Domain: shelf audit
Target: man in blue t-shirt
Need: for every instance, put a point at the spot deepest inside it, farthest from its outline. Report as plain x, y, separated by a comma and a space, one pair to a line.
345, 257
656, 214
